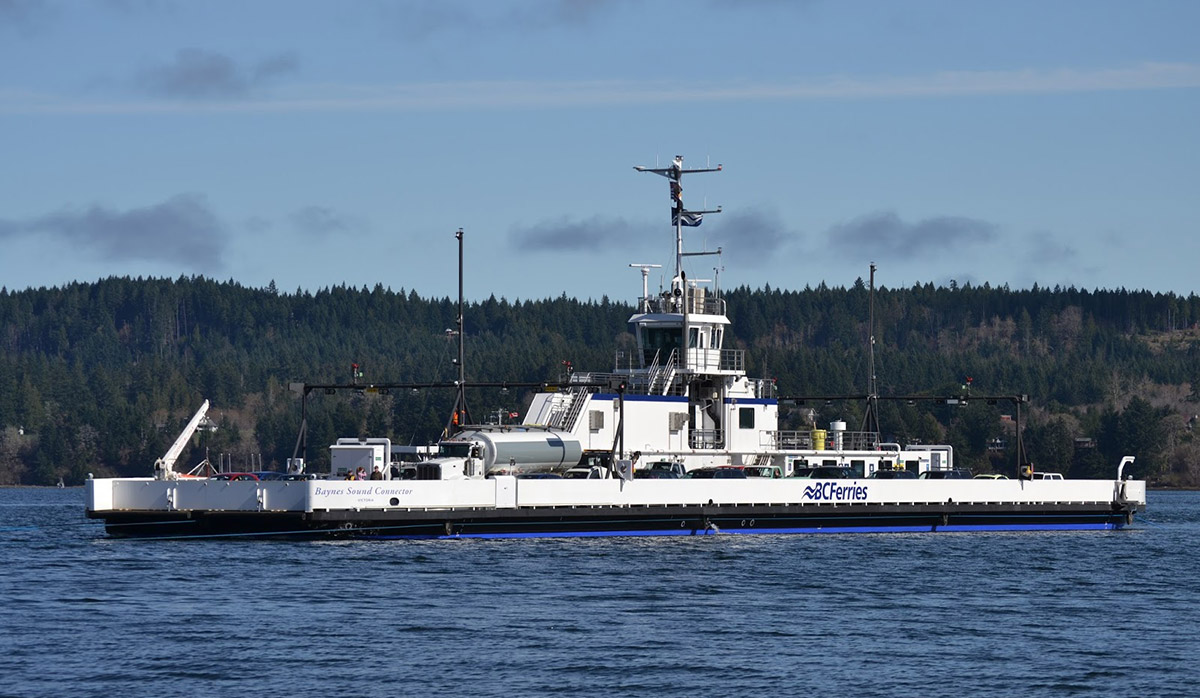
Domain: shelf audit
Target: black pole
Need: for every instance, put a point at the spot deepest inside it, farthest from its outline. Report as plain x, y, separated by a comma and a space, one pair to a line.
871, 414
301, 447
304, 428
1020, 444
462, 376
621, 421
460, 415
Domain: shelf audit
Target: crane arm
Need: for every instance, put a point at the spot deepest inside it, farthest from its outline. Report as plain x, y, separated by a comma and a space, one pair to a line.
164, 467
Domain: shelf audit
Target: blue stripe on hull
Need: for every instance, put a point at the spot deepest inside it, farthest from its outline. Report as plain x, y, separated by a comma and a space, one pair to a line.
1094, 526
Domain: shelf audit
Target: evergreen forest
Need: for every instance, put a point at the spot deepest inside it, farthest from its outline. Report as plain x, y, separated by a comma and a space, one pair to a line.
99, 378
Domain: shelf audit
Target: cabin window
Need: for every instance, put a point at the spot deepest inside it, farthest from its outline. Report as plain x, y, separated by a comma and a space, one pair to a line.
595, 420
664, 339
859, 467
694, 337
746, 417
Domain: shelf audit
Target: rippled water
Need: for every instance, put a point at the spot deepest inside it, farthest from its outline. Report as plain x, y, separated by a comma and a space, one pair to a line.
973, 614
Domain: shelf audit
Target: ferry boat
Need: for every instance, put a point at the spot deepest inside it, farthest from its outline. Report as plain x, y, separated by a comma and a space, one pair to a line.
676, 439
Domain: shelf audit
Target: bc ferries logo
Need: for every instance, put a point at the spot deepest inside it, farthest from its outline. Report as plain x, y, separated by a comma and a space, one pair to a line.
831, 491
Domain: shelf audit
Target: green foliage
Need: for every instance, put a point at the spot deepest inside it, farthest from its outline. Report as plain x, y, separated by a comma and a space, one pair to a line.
99, 377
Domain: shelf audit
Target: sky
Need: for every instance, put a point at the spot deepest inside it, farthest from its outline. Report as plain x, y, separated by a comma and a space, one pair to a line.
315, 144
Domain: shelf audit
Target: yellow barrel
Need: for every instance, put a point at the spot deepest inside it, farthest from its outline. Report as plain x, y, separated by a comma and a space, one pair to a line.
819, 439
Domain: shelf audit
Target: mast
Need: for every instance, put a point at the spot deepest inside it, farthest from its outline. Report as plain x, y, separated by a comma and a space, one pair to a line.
460, 415
681, 217
871, 416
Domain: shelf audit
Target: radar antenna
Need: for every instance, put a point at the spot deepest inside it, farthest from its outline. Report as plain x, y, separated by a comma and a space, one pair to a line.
645, 304
681, 217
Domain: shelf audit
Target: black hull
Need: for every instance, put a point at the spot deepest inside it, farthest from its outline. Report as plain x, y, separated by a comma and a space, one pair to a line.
621, 521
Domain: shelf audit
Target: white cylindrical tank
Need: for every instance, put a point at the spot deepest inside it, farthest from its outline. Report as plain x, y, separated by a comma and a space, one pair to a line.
528, 450
837, 430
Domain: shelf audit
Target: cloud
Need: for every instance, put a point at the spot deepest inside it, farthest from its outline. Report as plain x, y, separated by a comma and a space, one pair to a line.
577, 13
564, 235
422, 21
749, 235
1044, 248
319, 221
181, 230
257, 224
135, 7
24, 17
216, 78
888, 234
199, 74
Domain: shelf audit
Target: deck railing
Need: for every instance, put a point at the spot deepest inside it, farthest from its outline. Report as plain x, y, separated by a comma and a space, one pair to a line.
699, 304
803, 440
706, 438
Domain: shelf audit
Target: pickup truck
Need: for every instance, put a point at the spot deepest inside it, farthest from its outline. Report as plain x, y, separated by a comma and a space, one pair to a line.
675, 469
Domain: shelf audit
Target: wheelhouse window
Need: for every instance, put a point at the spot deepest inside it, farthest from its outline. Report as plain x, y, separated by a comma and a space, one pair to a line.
746, 417
664, 339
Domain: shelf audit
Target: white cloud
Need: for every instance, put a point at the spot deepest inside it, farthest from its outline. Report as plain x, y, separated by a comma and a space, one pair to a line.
223, 80
181, 230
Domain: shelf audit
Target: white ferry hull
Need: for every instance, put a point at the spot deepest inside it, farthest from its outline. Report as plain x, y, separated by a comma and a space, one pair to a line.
510, 507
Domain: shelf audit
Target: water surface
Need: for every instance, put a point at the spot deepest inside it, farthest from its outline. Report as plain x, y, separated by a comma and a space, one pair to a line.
927, 614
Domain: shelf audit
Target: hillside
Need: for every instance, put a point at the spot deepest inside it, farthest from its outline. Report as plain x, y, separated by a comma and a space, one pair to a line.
99, 377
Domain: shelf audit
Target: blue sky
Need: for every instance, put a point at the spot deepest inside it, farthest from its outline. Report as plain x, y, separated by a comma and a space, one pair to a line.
320, 143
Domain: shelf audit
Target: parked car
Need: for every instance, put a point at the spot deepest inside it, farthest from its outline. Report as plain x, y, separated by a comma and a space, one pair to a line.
655, 474
991, 476
673, 467
824, 472
1047, 476
720, 472
772, 471
277, 475
894, 475
956, 474
235, 476
581, 472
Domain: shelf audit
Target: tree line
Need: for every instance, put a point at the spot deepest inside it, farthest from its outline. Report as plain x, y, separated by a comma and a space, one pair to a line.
100, 377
